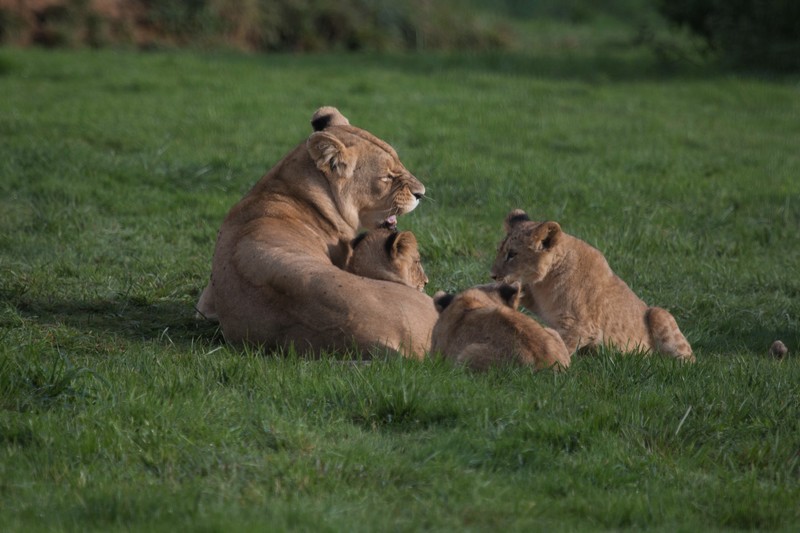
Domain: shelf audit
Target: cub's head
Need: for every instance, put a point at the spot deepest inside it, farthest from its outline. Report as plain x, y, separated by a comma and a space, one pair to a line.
479, 297
368, 181
526, 253
388, 255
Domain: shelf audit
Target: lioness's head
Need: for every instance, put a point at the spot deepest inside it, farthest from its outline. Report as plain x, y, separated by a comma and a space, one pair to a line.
388, 255
526, 253
368, 181
481, 296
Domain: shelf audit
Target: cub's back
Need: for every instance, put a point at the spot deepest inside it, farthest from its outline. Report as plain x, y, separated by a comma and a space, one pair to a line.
481, 328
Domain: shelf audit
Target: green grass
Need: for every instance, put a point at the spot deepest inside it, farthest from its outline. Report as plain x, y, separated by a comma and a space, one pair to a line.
118, 411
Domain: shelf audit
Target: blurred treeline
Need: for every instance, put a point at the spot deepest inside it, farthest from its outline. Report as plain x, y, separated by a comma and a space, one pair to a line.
763, 33
256, 25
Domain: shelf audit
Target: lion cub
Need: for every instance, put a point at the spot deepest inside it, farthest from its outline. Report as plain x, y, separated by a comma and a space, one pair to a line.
570, 286
388, 255
481, 327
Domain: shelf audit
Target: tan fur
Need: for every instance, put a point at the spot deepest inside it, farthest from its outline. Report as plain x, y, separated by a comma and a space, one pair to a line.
481, 327
277, 278
569, 285
389, 255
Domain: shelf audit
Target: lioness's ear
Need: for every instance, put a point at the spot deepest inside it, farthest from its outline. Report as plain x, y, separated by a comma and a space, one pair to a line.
327, 116
515, 217
509, 294
330, 155
400, 243
441, 300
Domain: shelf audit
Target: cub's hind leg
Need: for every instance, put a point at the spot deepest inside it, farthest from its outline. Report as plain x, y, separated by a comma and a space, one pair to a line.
478, 356
667, 337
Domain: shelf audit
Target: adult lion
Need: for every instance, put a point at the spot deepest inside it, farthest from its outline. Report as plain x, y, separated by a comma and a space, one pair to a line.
276, 275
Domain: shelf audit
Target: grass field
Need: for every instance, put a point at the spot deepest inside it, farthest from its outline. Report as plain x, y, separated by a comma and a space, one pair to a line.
118, 411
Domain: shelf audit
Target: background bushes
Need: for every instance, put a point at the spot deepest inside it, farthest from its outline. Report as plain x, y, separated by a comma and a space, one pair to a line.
258, 25
761, 33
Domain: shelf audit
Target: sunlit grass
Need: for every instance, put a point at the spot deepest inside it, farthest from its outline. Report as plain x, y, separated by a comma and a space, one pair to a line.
120, 411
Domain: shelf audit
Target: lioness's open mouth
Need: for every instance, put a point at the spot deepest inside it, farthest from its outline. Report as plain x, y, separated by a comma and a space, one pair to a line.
390, 223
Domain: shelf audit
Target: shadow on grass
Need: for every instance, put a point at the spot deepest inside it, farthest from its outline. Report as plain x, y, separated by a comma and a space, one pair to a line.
169, 321
174, 322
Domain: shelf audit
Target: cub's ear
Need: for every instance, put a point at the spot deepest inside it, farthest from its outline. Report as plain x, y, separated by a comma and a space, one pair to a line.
510, 293
399, 244
360, 237
441, 300
330, 155
515, 217
328, 116
545, 236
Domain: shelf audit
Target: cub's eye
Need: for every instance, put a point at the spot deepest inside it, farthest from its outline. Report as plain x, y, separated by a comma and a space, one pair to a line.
511, 254
388, 178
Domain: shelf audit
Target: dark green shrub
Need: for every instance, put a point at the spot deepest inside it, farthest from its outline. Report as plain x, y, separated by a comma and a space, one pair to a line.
183, 20
761, 33
577, 11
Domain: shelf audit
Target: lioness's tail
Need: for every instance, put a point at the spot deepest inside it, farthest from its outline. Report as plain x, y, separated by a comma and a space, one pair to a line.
667, 337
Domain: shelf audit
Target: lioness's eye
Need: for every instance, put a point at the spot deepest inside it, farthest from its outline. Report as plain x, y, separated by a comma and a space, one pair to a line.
510, 255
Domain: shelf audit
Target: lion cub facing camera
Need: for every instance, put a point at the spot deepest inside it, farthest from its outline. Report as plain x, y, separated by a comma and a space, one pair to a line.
569, 285
481, 327
388, 255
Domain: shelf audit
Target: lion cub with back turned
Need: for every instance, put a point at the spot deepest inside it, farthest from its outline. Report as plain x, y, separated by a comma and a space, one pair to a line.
481, 327
388, 255
570, 286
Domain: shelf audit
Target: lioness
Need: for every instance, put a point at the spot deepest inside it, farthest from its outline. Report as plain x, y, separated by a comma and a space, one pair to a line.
481, 327
569, 285
276, 275
390, 255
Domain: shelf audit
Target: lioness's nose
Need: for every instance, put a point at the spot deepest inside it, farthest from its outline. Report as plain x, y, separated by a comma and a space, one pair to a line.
416, 188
